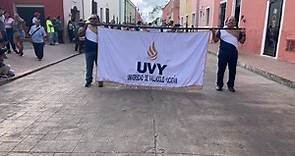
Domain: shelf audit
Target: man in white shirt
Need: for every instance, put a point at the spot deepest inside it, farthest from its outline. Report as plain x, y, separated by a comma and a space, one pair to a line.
228, 52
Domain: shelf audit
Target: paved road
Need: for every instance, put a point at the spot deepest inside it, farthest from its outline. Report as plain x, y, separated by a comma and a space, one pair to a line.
51, 113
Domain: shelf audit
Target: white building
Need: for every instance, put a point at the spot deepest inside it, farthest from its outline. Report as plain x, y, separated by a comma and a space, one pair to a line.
69, 5
118, 10
109, 10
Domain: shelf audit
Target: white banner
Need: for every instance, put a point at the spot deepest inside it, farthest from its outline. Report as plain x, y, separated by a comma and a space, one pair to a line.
151, 58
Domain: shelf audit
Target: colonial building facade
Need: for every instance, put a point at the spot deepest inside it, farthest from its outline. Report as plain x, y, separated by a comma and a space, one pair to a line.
269, 25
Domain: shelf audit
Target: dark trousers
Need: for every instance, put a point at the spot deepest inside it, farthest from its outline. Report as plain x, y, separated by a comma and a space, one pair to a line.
39, 50
79, 45
227, 57
60, 36
91, 58
9, 33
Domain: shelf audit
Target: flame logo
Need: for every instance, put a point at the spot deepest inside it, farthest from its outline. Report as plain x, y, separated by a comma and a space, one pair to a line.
152, 52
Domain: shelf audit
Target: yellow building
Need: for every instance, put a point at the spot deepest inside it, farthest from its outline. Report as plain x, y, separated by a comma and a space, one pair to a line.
185, 11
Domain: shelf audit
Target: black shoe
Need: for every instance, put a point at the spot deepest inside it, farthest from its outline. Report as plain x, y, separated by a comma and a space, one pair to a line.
231, 89
88, 85
8, 51
100, 84
218, 88
21, 53
15, 51
2, 51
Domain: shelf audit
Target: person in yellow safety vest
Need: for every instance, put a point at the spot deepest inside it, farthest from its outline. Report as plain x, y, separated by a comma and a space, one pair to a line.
50, 30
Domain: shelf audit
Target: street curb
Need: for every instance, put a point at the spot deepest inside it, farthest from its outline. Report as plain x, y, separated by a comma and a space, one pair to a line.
35, 70
266, 74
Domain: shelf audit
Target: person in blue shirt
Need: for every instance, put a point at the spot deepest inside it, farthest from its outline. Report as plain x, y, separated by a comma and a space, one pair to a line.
228, 52
37, 33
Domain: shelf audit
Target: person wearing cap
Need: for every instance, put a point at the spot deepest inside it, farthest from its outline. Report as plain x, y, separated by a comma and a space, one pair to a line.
91, 49
228, 52
80, 38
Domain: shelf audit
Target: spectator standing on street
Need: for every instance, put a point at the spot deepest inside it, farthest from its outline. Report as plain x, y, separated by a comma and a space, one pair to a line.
228, 53
80, 39
50, 30
37, 33
60, 30
55, 25
9, 31
71, 31
3, 36
91, 49
19, 33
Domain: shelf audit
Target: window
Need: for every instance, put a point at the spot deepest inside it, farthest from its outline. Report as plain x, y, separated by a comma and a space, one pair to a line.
207, 16
107, 15
101, 14
222, 14
194, 20
94, 7
237, 11
186, 21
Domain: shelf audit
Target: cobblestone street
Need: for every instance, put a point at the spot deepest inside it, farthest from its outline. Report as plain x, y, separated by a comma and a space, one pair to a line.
51, 113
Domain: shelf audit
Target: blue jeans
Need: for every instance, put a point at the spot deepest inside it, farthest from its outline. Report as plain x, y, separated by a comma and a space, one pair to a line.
9, 32
55, 38
51, 38
91, 58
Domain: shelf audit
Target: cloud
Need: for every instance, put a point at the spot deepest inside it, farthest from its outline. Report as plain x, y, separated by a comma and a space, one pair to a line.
146, 6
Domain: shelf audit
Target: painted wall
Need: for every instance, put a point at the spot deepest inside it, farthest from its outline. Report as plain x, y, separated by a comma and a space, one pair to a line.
188, 12
171, 11
288, 31
166, 16
203, 5
7, 5
182, 12
175, 11
130, 12
255, 14
53, 8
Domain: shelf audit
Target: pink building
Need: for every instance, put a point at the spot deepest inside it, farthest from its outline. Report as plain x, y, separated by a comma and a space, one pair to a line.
171, 11
204, 11
270, 30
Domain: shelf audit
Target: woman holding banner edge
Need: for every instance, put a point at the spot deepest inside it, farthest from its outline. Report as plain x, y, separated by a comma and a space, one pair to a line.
91, 49
228, 53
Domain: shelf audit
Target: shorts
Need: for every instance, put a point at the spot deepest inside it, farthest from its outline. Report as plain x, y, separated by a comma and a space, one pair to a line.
22, 35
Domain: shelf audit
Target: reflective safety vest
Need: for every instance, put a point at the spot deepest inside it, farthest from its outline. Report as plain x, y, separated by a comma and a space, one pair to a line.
49, 26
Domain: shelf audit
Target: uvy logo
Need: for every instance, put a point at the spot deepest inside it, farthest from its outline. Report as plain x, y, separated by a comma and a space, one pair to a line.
151, 68
152, 52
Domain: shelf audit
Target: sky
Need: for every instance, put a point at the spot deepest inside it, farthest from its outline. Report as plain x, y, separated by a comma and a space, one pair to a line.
146, 6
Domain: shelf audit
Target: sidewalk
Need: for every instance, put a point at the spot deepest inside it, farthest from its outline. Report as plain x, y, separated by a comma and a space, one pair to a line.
28, 63
281, 72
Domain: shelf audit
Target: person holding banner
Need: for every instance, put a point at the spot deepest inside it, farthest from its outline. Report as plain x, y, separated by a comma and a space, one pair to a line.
91, 49
228, 53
